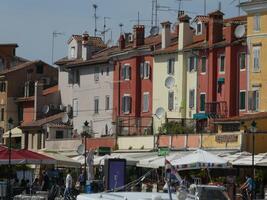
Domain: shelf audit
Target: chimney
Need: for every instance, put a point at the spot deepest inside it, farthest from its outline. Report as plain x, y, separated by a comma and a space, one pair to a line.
166, 34
229, 32
185, 32
215, 27
139, 35
38, 100
122, 42
86, 47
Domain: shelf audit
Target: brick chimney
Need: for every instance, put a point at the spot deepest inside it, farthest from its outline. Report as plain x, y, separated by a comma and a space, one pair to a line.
122, 42
215, 27
185, 32
229, 32
86, 47
166, 34
139, 35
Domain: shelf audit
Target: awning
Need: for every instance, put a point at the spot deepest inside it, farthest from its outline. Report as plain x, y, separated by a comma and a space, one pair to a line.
61, 160
221, 80
15, 132
199, 116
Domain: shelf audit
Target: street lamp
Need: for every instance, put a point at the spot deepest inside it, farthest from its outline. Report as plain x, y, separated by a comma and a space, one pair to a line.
85, 133
253, 130
10, 126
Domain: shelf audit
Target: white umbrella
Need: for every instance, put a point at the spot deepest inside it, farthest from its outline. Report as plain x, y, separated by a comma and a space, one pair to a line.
200, 159
234, 157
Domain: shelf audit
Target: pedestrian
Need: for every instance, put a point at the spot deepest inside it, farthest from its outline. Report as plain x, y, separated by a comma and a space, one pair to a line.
45, 182
67, 191
81, 180
248, 186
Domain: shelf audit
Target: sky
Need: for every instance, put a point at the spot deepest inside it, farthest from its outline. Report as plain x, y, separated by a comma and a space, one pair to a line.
30, 23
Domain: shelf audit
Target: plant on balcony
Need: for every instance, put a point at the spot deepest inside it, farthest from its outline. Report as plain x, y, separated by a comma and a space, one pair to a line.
171, 128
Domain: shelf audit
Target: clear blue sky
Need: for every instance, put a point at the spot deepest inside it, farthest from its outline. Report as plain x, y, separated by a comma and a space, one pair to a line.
30, 23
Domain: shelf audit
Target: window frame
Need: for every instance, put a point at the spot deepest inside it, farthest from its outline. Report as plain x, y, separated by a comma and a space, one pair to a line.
220, 63
96, 105
96, 74
145, 94
170, 104
75, 102
170, 66
126, 104
258, 48
242, 68
72, 52
107, 102
199, 24
126, 68
201, 94
61, 132
201, 71
191, 103
245, 101
257, 23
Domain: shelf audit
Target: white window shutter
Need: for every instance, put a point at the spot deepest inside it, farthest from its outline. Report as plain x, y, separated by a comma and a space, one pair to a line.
142, 70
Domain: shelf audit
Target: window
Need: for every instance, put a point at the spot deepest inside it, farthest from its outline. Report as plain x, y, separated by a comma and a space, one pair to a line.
96, 74
171, 100
70, 77
242, 60
59, 134
191, 98
39, 68
256, 59
76, 78
75, 107
222, 63
72, 52
203, 64
192, 63
107, 71
2, 86
107, 102
171, 66
202, 102
126, 104
96, 105
242, 100
2, 64
257, 23
145, 70
145, 102
126, 72
199, 28
2, 114
254, 97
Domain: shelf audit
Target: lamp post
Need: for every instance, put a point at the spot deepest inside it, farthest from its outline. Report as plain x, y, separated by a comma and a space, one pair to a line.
253, 129
10, 126
85, 134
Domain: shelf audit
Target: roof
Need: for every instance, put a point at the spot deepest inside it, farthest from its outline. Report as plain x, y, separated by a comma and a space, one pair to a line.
95, 41
9, 44
246, 117
236, 20
41, 122
201, 18
171, 49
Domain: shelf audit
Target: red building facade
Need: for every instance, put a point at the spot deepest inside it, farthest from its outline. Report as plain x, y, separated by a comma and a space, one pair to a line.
133, 79
222, 73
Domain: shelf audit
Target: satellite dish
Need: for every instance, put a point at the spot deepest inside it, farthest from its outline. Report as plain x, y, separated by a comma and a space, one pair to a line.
80, 149
169, 82
160, 112
65, 118
240, 31
45, 109
154, 30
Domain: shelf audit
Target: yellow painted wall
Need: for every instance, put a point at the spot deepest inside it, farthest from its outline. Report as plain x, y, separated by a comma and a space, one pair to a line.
256, 38
160, 91
209, 141
136, 142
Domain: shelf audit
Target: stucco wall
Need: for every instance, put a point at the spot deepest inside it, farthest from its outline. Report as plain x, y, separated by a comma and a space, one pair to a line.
142, 142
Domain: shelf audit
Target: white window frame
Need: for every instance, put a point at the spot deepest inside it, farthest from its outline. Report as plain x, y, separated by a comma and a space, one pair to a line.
194, 63
170, 66
257, 100
202, 93
72, 52
147, 70
127, 68
242, 91
129, 104
201, 28
201, 72
220, 64
144, 108
240, 59
96, 106
75, 105
256, 23
258, 48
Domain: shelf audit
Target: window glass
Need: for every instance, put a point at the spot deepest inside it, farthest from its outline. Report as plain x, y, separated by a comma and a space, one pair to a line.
202, 102
242, 100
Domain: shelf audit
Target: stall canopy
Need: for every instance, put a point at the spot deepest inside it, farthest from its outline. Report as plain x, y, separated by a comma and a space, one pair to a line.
61, 160
16, 132
200, 159
22, 156
259, 160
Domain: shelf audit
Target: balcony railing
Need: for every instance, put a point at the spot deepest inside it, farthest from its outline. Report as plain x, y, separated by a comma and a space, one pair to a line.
216, 109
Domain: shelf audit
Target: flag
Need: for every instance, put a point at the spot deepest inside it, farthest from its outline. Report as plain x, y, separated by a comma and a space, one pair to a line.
173, 171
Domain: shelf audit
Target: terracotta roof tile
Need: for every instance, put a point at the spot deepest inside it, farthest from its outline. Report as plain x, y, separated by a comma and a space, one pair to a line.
96, 41
171, 49
41, 122
20, 66
246, 117
201, 18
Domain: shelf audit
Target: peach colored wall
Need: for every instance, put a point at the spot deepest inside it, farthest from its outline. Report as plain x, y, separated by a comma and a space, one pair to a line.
100, 142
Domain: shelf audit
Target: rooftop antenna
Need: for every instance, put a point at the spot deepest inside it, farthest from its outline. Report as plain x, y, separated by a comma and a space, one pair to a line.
139, 20
239, 10
154, 16
121, 25
54, 35
95, 17
205, 7
105, 29
220, 6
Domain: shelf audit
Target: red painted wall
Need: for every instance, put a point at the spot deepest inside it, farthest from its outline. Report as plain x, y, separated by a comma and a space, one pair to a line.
94, 143
28, 111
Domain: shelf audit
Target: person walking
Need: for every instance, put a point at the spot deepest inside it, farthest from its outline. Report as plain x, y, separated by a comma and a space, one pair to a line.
45, 182
67, 191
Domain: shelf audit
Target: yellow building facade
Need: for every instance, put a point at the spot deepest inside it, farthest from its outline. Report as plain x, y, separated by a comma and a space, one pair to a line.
257, 54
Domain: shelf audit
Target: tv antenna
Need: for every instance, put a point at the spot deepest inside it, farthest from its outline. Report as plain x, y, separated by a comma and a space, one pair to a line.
154, 15
105, 30
139, 20
54, 35
121, 25
239, 10
95, 17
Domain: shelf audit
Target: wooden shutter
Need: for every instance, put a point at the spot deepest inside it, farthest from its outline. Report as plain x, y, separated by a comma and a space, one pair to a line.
170, 100
141, 70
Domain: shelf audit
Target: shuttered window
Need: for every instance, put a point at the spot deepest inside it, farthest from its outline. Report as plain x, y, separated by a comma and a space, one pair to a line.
170, 68
257, 23
256, 59
170, 100
203, 64
126, 72
145, 102
242, 100
222, 63
242, 60
126, 104
191, 98
202, 102
96, 105
75, 107
192, 63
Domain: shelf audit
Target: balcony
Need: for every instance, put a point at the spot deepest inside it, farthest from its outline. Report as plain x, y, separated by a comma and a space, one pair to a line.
217, 109
63, 144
